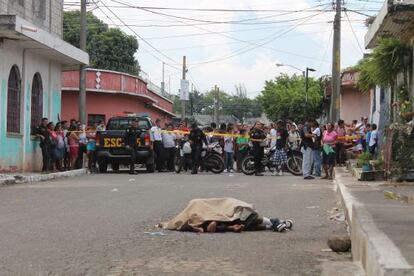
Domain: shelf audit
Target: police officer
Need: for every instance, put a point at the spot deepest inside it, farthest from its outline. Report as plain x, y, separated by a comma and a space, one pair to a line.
130, 140
45, 143
257, 136
197, 138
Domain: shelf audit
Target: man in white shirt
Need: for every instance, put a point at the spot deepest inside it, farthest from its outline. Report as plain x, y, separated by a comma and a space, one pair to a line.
156, 141
168, 142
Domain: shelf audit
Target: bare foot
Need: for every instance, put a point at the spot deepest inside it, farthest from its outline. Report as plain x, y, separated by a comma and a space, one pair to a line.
212, 226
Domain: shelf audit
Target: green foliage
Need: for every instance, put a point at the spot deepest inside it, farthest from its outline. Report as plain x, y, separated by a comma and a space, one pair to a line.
284, 98
363, 159
238, 105
402, 150
389, 59
108, 48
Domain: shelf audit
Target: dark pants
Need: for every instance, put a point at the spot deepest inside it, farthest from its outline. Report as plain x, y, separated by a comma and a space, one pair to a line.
258, 153
196, 156
79, 161
46, 156
239, 158
340, 153
169, 154
132, 159
159, 155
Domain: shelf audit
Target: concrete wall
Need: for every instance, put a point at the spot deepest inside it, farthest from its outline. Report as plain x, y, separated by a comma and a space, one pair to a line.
354, 104
49, 19
107, 104
21, 152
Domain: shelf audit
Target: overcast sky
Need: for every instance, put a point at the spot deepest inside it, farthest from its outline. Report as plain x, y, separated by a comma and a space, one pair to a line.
228, 48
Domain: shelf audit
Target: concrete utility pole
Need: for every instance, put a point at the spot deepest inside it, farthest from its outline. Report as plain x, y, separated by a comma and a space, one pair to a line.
82, 71
216, 105
163, 81
334, 113
183, 101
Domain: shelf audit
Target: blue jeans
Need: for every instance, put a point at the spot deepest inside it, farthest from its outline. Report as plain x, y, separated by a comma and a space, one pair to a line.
229, 160
317, 162
307, 161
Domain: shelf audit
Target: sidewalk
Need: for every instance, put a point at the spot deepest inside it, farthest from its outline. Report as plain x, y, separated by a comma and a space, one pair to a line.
381, 218
18, 178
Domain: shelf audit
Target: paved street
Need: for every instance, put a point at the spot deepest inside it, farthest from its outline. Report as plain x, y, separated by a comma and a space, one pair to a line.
95, 225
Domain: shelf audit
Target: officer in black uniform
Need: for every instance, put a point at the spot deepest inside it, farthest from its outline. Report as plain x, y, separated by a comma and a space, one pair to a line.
130, 140
196, 137
45, 143
257, 135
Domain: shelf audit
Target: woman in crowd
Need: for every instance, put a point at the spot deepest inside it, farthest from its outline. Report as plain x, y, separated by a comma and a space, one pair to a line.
60, 146
229, 150
91, 147
73, 141
328, 152
53, 145
83, 141
294, 137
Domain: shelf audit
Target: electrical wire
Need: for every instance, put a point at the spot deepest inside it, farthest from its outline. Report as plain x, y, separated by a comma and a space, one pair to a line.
145, 41
353, 32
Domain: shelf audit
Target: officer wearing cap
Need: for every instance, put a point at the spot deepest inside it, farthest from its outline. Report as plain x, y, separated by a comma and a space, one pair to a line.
130, 140
258, 137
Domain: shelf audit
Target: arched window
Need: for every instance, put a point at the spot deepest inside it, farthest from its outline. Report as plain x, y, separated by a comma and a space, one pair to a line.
13, 100
37, 102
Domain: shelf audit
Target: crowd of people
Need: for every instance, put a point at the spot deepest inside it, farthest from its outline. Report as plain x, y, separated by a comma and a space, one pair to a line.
65, 144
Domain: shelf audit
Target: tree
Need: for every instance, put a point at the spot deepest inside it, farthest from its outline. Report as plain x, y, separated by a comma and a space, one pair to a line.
108, 48
237, 105
284, 98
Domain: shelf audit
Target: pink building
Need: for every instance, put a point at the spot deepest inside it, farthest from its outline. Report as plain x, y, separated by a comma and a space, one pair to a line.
111, 93
354, 103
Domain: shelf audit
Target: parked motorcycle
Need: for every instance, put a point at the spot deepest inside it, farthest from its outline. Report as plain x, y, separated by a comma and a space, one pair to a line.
293, 165
211, 159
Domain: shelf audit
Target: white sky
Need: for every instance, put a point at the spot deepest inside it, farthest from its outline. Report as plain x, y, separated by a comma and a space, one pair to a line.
246, 53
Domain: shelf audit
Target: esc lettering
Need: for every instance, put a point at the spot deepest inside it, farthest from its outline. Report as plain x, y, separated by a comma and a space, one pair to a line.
115, 142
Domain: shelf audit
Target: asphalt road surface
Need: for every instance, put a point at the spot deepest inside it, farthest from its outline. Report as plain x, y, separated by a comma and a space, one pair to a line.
97, 224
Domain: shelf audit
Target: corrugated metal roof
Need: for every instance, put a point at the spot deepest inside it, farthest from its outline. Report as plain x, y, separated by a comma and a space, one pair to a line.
395, 19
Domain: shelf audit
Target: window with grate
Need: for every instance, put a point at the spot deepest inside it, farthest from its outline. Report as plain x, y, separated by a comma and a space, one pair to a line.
13, 101
95, 118
37, 102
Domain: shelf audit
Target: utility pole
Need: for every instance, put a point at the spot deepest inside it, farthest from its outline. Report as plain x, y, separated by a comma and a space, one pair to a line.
216, 105
163, 81
183, 101
334, 113
82, 69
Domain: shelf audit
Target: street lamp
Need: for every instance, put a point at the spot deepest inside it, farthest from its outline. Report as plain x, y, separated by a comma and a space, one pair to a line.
288, 65
305, 75
307, 81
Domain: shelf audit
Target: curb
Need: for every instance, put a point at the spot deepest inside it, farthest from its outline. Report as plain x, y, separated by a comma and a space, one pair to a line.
20, 179
370, 246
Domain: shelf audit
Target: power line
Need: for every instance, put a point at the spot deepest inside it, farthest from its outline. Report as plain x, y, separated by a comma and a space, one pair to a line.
146, 42
242, 21
353, 32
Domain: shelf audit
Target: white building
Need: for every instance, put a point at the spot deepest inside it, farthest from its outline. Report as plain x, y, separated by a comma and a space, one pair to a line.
32, 54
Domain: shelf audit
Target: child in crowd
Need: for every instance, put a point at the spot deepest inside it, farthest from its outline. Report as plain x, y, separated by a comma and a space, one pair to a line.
242, 148
229, 150
373, 141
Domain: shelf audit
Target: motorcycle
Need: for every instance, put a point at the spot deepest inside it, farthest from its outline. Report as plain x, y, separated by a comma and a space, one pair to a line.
211, 159
293, 165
